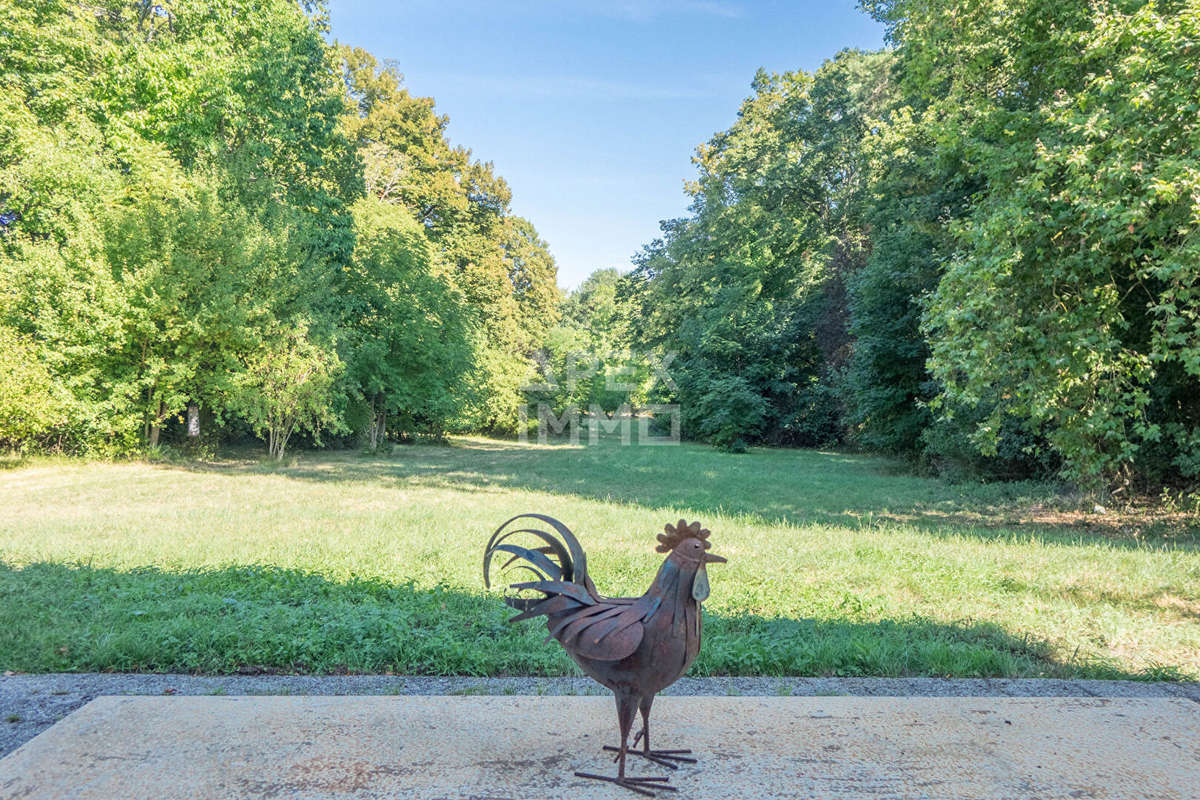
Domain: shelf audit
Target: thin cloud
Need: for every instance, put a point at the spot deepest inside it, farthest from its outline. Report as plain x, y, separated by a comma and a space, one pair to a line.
646, 10
631, 10
559, 87
727, 10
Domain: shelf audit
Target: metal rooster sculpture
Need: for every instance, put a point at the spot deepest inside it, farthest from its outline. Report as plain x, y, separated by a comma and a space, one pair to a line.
636, 646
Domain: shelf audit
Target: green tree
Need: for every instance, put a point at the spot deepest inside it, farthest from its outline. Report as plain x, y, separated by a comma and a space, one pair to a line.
409, 344
911, 193
56, 176
32, 404
1068, 302
161, 164
497, 261
533, 276
288, 385
251, 91
585, 361
199, 280
750, 292
176, 189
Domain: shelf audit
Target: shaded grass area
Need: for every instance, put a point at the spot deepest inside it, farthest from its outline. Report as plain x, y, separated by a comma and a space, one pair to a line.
840, 565
265, 619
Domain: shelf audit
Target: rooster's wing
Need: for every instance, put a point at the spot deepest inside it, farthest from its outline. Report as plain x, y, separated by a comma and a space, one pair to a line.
606, 630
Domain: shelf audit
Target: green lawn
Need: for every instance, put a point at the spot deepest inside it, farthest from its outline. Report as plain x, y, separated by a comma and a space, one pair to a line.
839, 565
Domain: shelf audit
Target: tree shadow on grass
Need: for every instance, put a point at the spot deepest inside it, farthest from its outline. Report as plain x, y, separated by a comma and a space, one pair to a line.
257, 619
13, 461
775, 486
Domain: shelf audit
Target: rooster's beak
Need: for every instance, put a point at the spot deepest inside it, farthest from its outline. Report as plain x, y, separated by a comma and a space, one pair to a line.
711, 559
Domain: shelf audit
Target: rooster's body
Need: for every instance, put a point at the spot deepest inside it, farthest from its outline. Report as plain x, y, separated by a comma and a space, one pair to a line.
636, 646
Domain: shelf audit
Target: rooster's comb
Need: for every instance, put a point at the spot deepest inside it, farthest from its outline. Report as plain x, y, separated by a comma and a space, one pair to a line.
674, 534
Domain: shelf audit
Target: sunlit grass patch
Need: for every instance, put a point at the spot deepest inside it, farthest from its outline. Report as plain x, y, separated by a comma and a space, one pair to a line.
840, 564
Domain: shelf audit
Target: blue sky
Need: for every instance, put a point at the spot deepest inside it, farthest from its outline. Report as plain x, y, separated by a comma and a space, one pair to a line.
592, 110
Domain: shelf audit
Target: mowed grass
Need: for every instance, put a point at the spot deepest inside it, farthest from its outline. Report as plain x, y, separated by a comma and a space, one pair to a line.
838, 565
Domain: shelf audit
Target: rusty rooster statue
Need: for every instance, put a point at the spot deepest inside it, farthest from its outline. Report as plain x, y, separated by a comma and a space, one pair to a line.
636, 646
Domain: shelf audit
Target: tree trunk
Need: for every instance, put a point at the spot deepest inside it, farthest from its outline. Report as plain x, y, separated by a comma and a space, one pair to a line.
373, 428
156, 426
279, 431
378, 429
193, 421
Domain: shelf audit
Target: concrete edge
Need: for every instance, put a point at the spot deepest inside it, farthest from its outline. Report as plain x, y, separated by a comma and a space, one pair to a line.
476, 747
29, 704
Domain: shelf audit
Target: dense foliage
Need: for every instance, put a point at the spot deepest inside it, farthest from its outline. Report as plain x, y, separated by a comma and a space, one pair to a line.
585, 366
750, 292
206, 209
980, 248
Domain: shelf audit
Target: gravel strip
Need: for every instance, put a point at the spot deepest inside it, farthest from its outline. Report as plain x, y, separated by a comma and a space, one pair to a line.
29, 704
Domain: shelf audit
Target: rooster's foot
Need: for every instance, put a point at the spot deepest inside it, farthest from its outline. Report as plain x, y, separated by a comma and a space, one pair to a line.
639, 785
664, 758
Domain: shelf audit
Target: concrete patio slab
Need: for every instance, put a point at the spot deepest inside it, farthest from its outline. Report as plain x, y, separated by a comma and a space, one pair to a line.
488, 748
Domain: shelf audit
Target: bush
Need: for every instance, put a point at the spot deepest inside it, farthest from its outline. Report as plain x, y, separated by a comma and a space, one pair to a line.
951, 450
817, 420
31, 405
729, 414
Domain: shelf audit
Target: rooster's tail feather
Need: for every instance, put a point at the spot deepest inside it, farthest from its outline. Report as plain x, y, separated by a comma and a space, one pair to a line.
560, 560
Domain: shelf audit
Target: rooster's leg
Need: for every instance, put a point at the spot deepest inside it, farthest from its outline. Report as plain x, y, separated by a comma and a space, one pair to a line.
664, 758
626, 710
